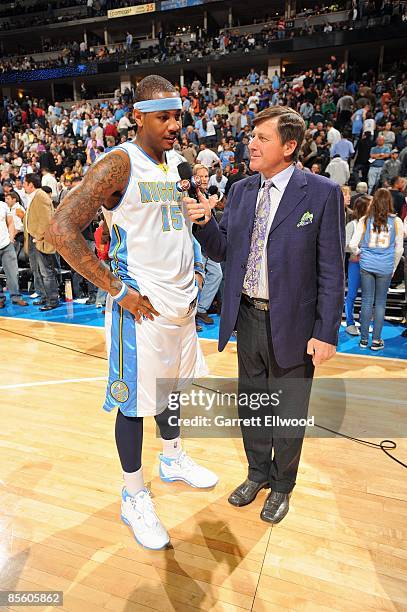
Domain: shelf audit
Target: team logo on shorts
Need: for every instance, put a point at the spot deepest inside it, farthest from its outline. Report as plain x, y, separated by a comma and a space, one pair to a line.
120, 391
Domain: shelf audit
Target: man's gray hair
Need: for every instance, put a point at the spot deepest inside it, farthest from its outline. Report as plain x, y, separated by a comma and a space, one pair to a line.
290, 125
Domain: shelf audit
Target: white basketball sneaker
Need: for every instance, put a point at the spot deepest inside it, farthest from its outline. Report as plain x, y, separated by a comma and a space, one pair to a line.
184, 468
138, 512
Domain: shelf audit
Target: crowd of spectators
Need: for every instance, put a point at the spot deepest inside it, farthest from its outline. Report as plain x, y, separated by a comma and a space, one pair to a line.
173, 48
356, 135
48, 11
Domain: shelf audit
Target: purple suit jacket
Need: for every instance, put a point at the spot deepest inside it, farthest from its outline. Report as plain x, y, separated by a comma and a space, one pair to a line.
305, 262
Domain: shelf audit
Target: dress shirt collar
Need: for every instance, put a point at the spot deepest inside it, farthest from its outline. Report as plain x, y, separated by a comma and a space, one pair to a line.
280, 180
30, 196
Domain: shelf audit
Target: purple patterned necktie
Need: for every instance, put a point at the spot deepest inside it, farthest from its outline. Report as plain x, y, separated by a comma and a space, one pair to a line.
252, 277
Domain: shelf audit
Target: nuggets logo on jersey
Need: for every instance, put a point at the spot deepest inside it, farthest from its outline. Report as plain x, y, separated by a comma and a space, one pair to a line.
164, 191
159, 191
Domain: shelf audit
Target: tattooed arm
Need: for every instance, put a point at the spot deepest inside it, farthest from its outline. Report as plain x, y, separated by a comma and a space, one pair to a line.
103, 185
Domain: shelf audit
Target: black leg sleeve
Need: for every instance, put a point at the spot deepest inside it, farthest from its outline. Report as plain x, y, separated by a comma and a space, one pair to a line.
169, 431
129, 441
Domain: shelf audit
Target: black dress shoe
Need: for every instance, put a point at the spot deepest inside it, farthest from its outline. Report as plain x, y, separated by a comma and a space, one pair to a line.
48, 307
39, 302
246, 492
275, 507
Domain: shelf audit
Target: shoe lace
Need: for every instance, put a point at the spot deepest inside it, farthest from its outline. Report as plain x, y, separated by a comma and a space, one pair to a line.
144, 506
185, 462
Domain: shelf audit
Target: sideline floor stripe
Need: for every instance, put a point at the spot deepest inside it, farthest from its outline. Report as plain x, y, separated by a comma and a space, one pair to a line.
52, 382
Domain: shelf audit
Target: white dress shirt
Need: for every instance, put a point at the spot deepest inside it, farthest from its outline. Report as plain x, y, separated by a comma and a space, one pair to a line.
280, 182
29, 197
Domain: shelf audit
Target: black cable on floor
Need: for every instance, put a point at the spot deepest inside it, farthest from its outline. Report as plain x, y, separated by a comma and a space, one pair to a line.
68, 348
384, 445
381, 444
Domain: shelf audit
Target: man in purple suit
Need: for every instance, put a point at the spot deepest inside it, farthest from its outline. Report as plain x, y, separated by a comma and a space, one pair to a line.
282, 237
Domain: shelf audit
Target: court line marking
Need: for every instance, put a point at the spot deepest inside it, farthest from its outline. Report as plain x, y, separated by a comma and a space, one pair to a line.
68, 381
52, 382
101, 327
340, 353
368, 355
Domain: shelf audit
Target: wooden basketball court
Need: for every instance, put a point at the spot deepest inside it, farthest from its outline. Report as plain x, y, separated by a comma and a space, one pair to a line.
343, 545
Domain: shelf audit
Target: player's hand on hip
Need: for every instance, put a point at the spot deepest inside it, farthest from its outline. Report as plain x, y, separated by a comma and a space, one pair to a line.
198, 209
320, 351
139, 305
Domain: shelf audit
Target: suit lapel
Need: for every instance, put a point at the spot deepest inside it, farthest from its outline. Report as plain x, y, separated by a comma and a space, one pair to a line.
250, 199
294, 193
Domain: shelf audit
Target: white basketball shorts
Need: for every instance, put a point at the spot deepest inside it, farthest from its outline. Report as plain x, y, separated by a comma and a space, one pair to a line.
148, 360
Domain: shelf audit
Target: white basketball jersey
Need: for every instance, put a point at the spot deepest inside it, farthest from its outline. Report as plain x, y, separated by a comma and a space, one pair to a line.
151, 236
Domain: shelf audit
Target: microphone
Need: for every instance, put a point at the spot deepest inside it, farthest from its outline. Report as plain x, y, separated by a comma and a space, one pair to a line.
188, 183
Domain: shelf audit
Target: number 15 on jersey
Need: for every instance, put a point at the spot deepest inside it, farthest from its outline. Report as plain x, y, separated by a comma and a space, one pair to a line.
171, 217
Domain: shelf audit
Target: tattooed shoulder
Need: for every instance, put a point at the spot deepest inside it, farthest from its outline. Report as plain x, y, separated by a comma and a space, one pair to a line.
106, 180
102, 185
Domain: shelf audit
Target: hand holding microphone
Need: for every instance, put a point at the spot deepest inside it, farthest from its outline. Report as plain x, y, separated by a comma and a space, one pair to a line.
188, 182
197, 205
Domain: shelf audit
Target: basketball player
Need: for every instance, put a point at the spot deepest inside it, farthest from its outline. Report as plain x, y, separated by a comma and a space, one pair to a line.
150, 311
